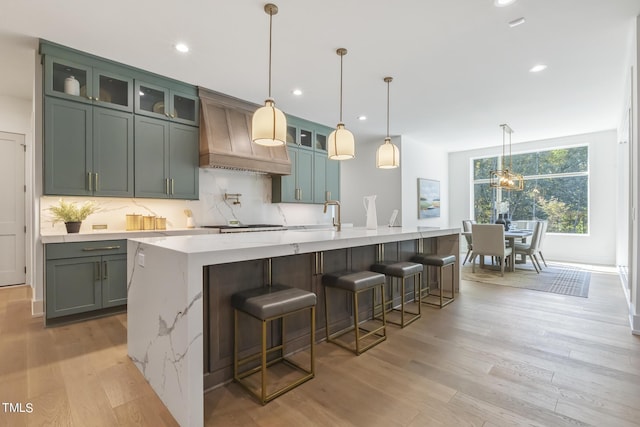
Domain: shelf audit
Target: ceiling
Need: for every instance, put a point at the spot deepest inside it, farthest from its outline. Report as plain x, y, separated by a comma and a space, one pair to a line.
459, 70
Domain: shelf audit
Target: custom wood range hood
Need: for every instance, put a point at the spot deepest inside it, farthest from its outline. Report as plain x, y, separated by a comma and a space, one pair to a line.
225, 137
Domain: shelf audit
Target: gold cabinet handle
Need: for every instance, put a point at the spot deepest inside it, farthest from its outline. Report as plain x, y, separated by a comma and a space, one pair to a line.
104, 272
327, 196
96, 270
166, 186
89, 176
96, 182
172, 186
102, 248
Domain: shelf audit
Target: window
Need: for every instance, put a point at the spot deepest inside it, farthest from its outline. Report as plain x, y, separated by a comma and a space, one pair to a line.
556, 189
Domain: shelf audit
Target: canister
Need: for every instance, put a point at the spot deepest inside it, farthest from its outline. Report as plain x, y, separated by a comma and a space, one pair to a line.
71, 86
161, 223
149, 222
134, 222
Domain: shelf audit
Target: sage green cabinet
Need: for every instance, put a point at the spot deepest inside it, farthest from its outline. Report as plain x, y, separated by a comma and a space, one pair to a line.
326, 178
314, 178
88, 150
297, 187
84, 277
94, 85
166, 103
166, 164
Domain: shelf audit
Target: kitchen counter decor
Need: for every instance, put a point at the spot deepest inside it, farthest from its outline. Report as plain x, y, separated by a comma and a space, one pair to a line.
71, 214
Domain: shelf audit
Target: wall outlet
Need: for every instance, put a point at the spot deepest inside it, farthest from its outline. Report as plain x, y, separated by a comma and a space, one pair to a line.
141, 259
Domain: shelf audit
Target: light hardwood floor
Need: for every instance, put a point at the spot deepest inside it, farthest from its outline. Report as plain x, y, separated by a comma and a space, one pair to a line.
496, 356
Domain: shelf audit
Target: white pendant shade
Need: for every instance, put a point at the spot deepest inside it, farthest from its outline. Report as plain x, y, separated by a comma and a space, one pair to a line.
342, 145
269, 126
388, 155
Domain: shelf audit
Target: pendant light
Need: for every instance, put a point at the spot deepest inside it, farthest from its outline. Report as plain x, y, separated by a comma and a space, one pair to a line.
341, 142
269, 125
388, 155
505, 178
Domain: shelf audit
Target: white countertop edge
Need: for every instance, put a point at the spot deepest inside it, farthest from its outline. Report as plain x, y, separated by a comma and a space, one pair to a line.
117, 235
223, 248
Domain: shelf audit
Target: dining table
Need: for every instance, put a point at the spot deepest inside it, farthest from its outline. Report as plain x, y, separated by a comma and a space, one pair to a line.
510, 236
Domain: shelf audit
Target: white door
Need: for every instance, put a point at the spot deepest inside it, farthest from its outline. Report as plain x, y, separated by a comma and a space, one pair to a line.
12, 222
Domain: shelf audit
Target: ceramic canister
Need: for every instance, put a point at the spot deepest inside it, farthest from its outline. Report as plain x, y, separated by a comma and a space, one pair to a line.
71, 86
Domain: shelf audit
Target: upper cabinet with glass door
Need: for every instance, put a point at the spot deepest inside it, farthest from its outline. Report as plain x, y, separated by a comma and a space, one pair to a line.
86, 83
164, 102
301, 133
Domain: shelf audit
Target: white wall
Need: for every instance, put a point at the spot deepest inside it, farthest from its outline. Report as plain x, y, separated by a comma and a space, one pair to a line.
395, 188
359, 177
599, 246
420, 160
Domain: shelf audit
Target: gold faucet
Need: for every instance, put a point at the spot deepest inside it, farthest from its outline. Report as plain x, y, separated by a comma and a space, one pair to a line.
337, 205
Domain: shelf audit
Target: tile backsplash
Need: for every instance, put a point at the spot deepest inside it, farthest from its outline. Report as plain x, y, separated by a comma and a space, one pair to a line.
212, 209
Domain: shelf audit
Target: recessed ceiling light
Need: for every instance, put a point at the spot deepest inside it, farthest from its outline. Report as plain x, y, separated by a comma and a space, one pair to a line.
516, 22
537, 68
362, 118
297, 92
181, 47
503, 3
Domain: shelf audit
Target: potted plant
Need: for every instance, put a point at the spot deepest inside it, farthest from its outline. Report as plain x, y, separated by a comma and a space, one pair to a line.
71, 214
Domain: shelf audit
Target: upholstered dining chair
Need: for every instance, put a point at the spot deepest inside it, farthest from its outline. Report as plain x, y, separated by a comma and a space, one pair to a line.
532, 247
488, 239
543, 233
466, 227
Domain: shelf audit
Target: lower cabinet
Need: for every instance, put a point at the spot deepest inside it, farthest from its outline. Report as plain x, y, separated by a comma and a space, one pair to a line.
85, 276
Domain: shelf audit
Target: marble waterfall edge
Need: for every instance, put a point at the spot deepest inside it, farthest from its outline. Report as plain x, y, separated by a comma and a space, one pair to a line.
164, 329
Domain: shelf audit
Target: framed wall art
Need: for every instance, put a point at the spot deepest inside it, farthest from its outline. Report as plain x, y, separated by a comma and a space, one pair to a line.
428, 198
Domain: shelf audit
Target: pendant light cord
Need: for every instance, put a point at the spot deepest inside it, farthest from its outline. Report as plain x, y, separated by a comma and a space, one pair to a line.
270, 37
388, 84
341, 57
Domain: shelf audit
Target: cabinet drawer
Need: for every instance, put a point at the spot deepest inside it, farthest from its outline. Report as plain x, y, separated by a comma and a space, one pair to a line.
85, 249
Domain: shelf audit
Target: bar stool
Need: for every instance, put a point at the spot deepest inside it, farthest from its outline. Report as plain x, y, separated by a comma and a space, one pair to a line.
356, 282
401, 271
441, 262
267, 304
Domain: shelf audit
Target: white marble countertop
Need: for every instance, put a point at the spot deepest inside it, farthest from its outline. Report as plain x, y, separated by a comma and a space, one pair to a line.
223, 248
120, 234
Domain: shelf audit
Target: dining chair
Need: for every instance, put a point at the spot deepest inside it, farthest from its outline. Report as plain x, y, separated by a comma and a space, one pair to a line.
532, 247
543, 233
466, 227
488, 239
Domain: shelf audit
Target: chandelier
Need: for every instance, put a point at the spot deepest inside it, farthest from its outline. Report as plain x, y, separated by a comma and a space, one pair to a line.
505, 178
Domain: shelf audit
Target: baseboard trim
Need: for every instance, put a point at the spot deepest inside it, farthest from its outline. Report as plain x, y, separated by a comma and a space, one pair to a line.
37, 308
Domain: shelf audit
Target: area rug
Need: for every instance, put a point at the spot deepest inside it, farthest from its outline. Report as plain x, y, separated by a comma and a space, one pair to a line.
557, 278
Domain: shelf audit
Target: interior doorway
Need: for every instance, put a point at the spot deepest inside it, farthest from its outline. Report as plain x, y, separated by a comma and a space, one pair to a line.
12, 214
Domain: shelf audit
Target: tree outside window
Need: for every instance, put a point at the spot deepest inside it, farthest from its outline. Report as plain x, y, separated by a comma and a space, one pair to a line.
556, 189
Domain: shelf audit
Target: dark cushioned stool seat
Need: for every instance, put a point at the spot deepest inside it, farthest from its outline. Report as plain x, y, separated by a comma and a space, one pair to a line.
436, 260
273, 301
356, 282
268, 304
402, 270
353, 281
397, 269
440, 262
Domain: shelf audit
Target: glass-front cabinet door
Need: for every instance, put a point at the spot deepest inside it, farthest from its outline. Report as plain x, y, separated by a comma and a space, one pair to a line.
185, 108
66, 79
164, 103
292, 134
152, 100
321, 139
306, 137
83, 83
112, 91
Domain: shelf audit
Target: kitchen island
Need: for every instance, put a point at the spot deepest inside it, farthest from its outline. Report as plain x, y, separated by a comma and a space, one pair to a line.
178, 316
